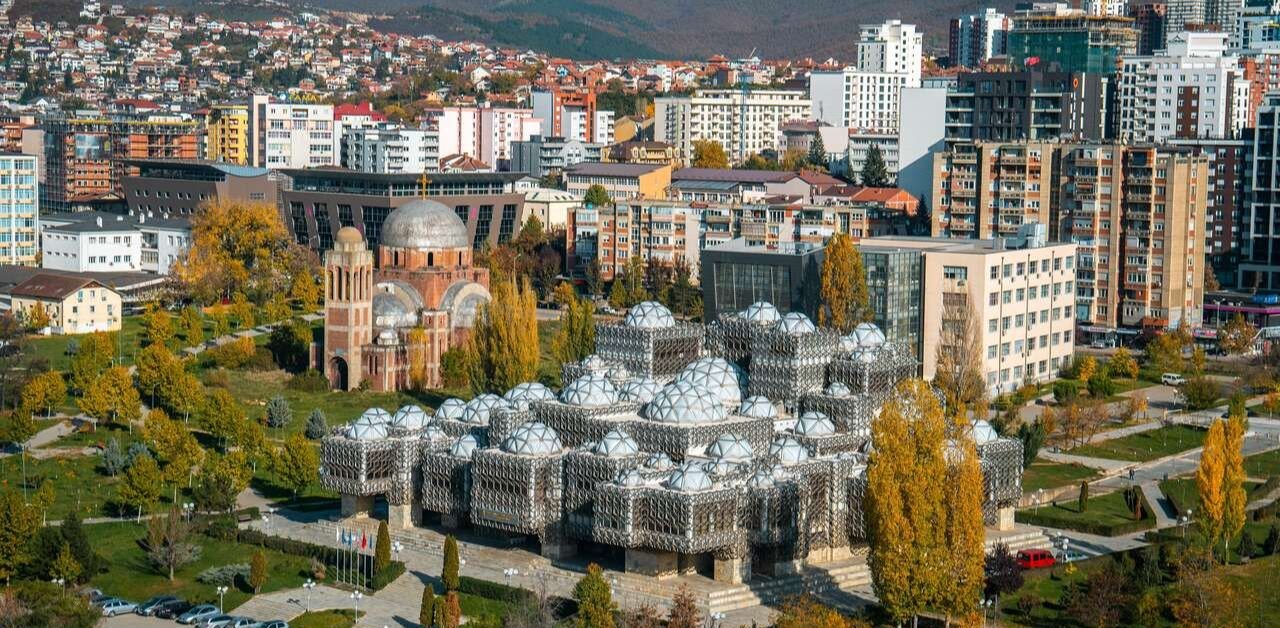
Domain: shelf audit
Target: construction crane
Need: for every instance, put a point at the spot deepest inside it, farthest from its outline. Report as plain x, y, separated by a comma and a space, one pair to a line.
743, 90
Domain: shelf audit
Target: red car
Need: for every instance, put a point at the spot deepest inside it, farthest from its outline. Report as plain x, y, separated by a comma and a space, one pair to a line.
1035, 559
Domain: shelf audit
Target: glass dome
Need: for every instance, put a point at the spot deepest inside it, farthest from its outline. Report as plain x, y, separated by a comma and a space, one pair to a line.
761, 479
640, 390
617, 443
730, 447
983, 433
522, 394
720, 467
590, 391
758, 407
629, 477
865, 355
367, 427
689, 477
451, 409
649, 315
410, 417
658, 461
377, 415
788, 450
478, 409
868, 335
594, 362
814, 423
433, 432
848, 344
464, 447
685, 402
795, 323
532, 439
838, 389
761, 312
717, 375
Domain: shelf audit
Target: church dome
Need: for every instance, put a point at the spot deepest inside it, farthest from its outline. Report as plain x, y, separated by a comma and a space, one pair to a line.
424, 224
348, 235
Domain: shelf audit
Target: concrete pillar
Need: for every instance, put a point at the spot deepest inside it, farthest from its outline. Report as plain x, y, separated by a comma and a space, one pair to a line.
655, 563
732, 570
1004, 518
356, 506
400, 516
828, 554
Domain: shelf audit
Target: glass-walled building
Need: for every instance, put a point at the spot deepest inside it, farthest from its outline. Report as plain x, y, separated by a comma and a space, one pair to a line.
893, 285
736, 274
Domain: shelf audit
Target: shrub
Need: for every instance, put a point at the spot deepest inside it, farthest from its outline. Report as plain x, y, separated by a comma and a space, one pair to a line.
308, 381
316, 425
261, 361
1247, 549
1064, 391
219, 378
1028, 603
386, 576
231, 355
1200, 393
224, 575
494, 590
1101, 386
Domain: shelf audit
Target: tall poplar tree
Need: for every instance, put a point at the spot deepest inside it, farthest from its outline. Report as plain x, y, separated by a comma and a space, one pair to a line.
1209, 482
961, 588
1233, 475
845, 300
503, 348
576, 338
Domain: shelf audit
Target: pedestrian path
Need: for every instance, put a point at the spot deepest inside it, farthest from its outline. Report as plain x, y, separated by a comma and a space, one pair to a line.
245, 333
1106, 465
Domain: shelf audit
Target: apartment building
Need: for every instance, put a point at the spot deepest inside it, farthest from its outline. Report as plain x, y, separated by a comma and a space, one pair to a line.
1227, 204
1260, 261
1020, 290
573, 114
292, 135
891, 47
743, 126
485, 133
1055, 37
19, 214
1149, 18
976, 37
1192, 90
227, 134
390, 148
983, 190
102, 242
659, 232
75, 305
1029, 105
857, 99
621, 181
541, 156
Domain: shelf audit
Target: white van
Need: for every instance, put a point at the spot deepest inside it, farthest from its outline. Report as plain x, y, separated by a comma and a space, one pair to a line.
1172, 379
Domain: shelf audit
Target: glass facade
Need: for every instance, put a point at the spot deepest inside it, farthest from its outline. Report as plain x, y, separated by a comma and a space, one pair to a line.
739, 284
893, 284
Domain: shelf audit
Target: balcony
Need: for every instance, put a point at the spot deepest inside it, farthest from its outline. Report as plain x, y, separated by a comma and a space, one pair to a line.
964, 158
1137, 197
964, 192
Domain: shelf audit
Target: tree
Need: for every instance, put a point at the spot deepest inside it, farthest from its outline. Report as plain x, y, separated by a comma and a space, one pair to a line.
277, 309
817, 152
239, 247
595, 601
1164, 352
709, 154
1099, 601
290, 345
961, 583
426, 612
174, 445
305, 291
222, 415
958, 375
875, 173
449, 576
317, 428
1122, 364
904, 502
503, 348
1032, 436
576, 338
65, 567
242, 309
1210, 476
18, 524
37, 317
297, 464
257, 571
1248, 548
1198, 360
1272, 543
806, 612
1236, 337
845, 300
141, 485
597, 196
1086, 368
1200, 393
684, 609
93, 355
1233, 477
221, 479
1002, 572
221, 321
157, 325
1209, 596
191, 325
452, 610
168, 542
43, 392
279, 414
112, 398
382, 548
592, 278
1101, 386
1083, 499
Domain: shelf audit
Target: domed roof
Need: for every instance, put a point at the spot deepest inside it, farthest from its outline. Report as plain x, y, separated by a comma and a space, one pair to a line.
594, 362
433, 432
451, 409
478, 409
591, 391
865, 355
761, 479
761, 312
367, 428
730, 447
533, 439
718, 376
424, 224
838, 389
868, 335
685, 402
617, 443
649, 315
639, 390
348, 235
720, 467
983, 432
410, 417
464, 447
758, 407
629, 477
788, 450
814, 423
390, 311
521, 394
688, 477
795, 323
658, 461
376, 414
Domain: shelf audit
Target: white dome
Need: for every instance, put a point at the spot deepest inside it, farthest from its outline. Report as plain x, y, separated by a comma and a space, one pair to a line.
717, 375
594, 362
617, 443
685, 402
464, 447
720, 467
522, 394
761, 479
591, 391
983, 433
838, 389
788, 450
410, 417
478, 409
761, 312
658, 461
533, 439
649, 315
848, 344
868, 335
730, 447
689, 477
629, 477
639, 390
451, 409
433, 432
424, 225
795, 323
758, 407
377, 415
814, 423
865, 355
367, 428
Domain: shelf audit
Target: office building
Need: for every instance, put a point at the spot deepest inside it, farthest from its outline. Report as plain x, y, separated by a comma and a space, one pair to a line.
983, 190
180, 187
551, 207
291, 135
1029, 105
541, 156
1057, 38
19, 212
718, 115
859, 99
974, 38
227, 134
1260, 263
620, 181
97, 242
389, 148
894, 290
892, 48
735, 275
1192, 90
1202, 15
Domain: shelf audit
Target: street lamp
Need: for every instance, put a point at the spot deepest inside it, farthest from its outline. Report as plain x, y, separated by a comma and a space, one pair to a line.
309, 585
396, 546
188, 508
1039, 499
716, 618
355, 599
222, 591
509, 573
60, 582
985, 605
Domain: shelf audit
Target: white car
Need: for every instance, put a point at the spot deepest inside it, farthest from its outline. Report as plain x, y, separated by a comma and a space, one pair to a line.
116, 606
1172, 379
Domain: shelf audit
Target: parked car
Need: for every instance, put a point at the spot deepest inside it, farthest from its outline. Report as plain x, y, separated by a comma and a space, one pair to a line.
1172, 379
172, 610
116, 606
95, 596
275, 623
228, 621
1070, 556
199, 614
1035, 558
149, 607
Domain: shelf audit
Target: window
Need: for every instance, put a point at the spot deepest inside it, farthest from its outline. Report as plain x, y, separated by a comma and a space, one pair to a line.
991, 326
1008, 270
955, 272
991, 352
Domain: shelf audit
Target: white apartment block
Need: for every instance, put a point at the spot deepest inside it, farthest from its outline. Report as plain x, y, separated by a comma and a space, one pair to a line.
485, 133
388, 148
856, 99
19, 218
891, 47
976, 37
860, 146
102, 242
1193, 90
1115, 8
291, 135
718, 115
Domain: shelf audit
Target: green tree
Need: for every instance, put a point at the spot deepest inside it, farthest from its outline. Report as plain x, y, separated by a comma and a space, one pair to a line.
1032, 436
141, 485
1083, 499
112, 398
576, 338
297, 464
222, 415
317, 428
427, 611
845, 300
450, 574
191, 325
1101, 386
595, 601
65, 567
279, 414
168, 543
503, 348
817, 151
220, 480
382, 548
157, 325
597, 196
875, 173
709, 154
258, 571
18, 524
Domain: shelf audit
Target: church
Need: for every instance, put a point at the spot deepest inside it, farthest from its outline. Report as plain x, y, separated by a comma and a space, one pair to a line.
390, 314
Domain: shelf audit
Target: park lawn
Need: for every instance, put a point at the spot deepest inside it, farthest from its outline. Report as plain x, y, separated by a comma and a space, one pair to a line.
325, 619
1046, 475
1185, 495
254, 388
267, 482
1047, 585
131, 576
1105, 514
1145, 446
1263, 465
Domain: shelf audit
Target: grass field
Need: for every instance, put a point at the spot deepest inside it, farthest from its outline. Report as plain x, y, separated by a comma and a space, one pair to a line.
1145, 446
325, 619
1048, 475
1107, 514
1263, 465
1185, 495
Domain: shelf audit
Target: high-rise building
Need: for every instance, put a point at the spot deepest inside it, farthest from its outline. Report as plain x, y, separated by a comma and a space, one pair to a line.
1181, 14
989, 189
857, 99
1260, 263
1149, 18
390, 148
292, 135
976, 37
742, 126
227, 134
1194, 89
573, 114
485, 133
891, 47
1029, 105
541, 156
1056, 37
1225, 223
19, 217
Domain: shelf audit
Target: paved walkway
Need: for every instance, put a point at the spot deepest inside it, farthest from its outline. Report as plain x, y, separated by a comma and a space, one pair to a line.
264, 328
1102, 464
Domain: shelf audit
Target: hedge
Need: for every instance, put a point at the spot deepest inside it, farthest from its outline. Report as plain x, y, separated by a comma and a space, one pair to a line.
1045, 517
322, 553
494, 590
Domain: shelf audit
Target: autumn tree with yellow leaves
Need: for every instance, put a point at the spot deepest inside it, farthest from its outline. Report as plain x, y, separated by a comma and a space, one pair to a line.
845, 301
965, 554
503, 348
1210, 477
112, 398
240, 247
1235, 499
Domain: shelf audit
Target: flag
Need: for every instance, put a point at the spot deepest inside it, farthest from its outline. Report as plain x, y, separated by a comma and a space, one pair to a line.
364, 540
337, 535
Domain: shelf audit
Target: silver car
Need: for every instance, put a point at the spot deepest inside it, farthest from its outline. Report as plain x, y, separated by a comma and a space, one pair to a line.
116, 606
198, 614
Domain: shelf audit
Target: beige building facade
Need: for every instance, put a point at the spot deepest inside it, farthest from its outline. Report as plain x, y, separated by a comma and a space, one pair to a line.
988, 189
74, 305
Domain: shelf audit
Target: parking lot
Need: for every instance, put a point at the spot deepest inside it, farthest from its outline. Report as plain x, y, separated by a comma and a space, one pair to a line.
135, 621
